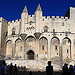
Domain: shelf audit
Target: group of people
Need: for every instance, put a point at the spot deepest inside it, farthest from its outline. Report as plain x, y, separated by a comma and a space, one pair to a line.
68, 71
12, 69
49, 69
65, 69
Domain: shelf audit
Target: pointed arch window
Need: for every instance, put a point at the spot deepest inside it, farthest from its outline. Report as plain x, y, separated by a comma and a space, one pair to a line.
45, 29
13, 31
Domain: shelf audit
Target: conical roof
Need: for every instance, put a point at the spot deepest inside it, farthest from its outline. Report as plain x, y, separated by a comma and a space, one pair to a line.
39, 8
25, 9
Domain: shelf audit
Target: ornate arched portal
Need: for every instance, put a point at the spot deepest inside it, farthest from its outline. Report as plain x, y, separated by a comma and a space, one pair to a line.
30, 55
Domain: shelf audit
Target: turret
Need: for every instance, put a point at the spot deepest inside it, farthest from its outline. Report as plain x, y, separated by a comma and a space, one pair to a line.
70, 13
38, 18
24, 19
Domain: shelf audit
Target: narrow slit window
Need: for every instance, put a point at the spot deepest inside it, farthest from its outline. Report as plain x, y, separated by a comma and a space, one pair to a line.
55, 47
42, 47
67, 51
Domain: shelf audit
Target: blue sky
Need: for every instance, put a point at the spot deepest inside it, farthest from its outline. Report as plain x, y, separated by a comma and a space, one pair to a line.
12, 9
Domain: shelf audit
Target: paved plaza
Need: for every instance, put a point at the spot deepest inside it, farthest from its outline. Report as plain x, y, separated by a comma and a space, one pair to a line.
33, 73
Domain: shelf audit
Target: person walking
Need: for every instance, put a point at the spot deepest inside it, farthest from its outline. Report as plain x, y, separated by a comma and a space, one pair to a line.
15, 70
70, 69
49, 69
3, 68
74, 70
65, 70
11, 69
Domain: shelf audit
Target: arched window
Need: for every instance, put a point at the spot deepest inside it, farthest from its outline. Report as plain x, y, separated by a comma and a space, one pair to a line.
13, 31
45, 29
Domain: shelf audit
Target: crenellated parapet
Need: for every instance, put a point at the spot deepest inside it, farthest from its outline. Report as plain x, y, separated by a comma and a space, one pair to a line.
4, 20
14, 21
54, 18
31, 18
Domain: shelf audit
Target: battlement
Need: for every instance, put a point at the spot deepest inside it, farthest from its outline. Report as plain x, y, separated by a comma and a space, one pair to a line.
31, 16
14, 21
62, 17
55, 17
2, 19
48, 17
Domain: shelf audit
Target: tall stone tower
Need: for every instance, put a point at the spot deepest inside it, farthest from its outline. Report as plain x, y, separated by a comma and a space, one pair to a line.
38, 18
3, 35
24, 19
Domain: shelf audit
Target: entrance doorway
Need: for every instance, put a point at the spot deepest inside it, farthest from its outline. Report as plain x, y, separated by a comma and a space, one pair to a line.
30, 55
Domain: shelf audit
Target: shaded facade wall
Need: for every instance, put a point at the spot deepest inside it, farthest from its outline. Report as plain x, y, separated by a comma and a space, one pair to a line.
3, 35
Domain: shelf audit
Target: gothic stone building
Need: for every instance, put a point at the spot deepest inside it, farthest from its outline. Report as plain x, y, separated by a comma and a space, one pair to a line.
39, 37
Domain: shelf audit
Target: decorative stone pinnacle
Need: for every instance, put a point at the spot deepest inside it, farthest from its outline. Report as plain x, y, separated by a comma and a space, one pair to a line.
25, 9
39, 8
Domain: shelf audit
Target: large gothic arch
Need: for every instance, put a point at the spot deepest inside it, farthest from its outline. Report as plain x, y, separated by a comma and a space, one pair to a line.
30, 43
43, 46
55, 46
66, 46
18, 53
9, 48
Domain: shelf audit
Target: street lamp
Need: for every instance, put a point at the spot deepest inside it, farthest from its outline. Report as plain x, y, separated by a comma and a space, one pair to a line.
23, 38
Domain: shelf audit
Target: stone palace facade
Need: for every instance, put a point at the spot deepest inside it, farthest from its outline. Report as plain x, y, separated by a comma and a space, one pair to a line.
39, 37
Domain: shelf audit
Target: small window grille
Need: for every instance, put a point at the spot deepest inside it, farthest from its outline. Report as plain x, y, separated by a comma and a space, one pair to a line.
53, 30
45, 30
43, 19
13, 31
